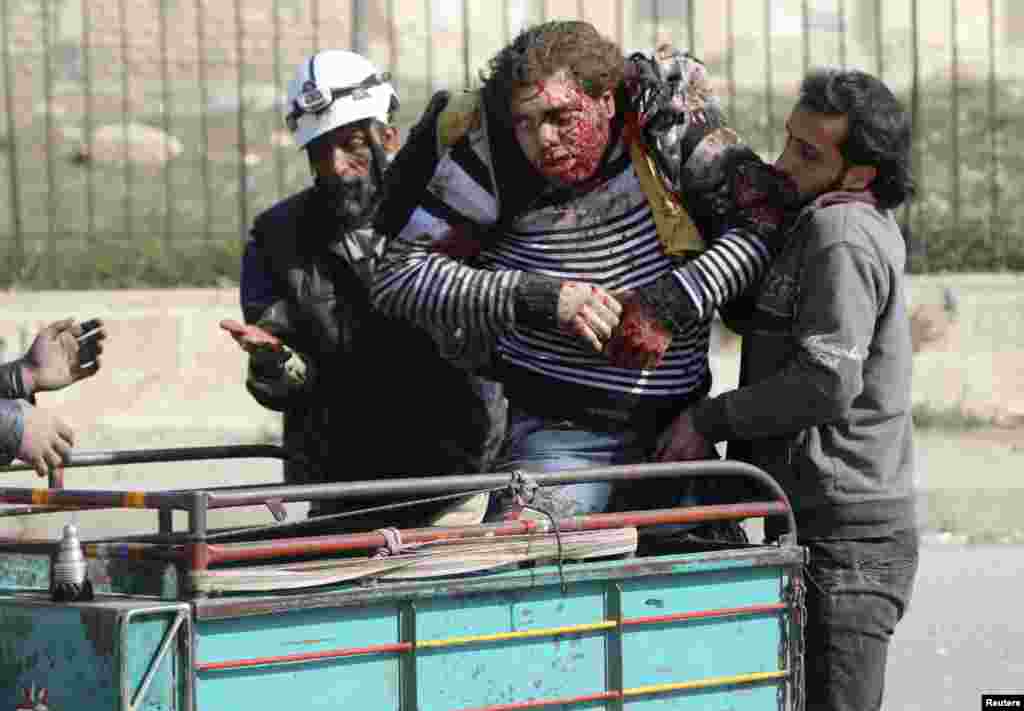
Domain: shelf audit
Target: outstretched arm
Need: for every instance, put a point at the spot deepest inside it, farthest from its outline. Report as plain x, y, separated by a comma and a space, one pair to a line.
278, 376
55, 360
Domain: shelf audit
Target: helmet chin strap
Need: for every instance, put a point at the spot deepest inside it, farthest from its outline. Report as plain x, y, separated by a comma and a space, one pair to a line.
352, 201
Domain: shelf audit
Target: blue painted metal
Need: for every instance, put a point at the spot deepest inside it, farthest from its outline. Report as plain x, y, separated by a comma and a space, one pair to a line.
88, 656
492, 673
370, 682
97, 656
110, 575
485, 673
714, 629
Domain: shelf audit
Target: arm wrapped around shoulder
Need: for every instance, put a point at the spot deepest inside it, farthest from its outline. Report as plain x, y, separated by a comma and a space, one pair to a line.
760, 198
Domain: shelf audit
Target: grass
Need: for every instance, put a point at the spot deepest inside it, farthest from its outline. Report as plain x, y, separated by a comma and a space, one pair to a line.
114, 226
954, 418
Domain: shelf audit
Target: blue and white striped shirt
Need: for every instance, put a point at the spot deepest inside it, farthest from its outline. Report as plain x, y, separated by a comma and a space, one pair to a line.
606, 236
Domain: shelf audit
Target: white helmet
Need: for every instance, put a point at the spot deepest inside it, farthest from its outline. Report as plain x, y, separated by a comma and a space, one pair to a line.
333, 88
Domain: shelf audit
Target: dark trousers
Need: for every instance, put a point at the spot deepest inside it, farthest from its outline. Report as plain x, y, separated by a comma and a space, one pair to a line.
857, 590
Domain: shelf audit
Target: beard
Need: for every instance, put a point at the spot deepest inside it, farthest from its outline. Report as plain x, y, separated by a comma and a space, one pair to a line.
349, 200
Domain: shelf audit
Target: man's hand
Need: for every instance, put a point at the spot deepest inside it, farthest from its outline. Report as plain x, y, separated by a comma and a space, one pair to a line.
681, 442
589, 312
46, 441
641, 338
251, 339
52, 361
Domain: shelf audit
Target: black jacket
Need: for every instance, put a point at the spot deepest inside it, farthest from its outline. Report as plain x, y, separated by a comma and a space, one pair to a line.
380, 400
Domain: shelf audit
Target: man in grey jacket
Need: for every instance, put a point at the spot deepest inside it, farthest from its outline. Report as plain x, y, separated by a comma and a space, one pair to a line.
824, 397
55, 360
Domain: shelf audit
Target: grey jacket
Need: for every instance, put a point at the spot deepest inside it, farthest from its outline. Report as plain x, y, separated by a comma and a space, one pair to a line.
824, 398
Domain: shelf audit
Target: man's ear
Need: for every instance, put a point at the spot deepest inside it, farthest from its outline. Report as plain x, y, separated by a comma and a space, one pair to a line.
859, 177
390, 139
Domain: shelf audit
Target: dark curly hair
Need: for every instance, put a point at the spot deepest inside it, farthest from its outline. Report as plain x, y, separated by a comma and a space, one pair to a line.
592, 60
878, 130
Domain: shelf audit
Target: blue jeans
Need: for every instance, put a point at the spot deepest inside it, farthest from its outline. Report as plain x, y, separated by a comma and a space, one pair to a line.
541, 444
857, 590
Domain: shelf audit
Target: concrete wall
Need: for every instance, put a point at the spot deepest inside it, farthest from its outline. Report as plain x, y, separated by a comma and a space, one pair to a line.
171, 377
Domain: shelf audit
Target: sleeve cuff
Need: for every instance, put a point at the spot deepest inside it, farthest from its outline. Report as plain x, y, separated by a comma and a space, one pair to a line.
669, 302
536, 301
711, 419
12, 383
12, 429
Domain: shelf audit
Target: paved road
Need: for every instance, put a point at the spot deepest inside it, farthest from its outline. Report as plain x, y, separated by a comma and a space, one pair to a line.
964, 633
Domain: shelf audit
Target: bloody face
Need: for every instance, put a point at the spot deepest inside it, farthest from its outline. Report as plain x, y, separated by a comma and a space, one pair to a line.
563, 131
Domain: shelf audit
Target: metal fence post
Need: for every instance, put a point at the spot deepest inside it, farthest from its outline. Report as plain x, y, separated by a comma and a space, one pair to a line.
467, 72
278, 159
910, 215
993, 128
243, 144
954, 130
129, 173
88, 124
360, 29
165, 120
204, 126
805, 23
879, 41
769, 94
691, 26
13, 166
51, 167
841, 10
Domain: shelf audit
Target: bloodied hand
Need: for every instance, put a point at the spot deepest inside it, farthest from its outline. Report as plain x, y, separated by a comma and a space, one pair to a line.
251, 338
641, 338
563, 131
588, 311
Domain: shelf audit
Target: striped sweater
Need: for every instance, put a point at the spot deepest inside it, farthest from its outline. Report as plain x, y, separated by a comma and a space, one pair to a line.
605, 236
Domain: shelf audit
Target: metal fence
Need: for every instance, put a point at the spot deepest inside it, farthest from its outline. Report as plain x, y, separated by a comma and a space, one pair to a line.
143, 135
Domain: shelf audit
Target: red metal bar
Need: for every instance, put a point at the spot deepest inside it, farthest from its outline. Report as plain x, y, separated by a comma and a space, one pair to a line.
323, 545
199, 556
541, 703
397, 647
704, 614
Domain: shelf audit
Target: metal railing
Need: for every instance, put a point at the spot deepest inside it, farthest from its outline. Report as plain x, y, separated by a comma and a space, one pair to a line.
150, 129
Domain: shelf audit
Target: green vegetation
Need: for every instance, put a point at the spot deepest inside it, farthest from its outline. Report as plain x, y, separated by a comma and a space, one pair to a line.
953, 418
106, 225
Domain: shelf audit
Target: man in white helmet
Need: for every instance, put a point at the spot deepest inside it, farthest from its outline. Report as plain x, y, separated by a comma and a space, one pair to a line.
318, 351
